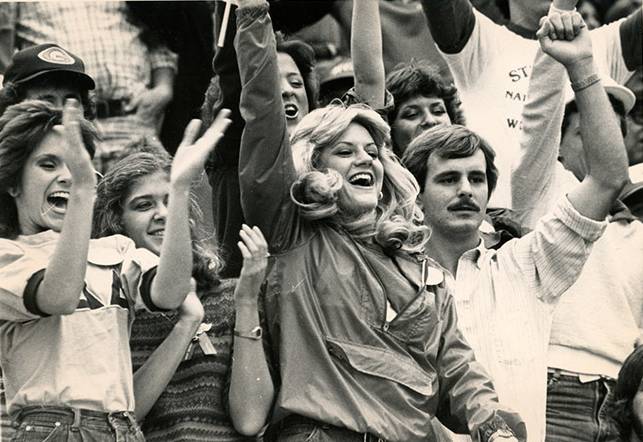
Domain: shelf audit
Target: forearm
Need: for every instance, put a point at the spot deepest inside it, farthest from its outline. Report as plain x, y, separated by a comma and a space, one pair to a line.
151, 379
225, 67
366, 52
533, 174
172, 281
251, 387
64, 277
451, 23
266, 168
603, 145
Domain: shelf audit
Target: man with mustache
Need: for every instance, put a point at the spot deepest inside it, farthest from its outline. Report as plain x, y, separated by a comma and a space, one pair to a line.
505, 297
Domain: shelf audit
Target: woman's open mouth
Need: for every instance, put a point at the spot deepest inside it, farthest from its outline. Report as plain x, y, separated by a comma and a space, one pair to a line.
291, 110
362, 179
58, 201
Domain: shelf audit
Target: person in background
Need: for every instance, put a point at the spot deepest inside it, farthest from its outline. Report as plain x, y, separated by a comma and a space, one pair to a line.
491, 67
517, 286
46, 72
134, 81
423, 99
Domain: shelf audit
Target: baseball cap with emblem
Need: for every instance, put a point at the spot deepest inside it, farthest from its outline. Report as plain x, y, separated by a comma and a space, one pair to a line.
43, 59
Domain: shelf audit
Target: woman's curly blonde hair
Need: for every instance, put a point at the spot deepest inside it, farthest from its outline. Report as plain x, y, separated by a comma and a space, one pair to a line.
398, 224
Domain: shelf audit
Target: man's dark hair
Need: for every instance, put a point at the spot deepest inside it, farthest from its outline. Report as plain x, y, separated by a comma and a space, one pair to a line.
627, 385
448, 142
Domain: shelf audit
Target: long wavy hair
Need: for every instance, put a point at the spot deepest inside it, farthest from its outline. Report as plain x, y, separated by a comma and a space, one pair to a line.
398, 223
116, 185
22, 128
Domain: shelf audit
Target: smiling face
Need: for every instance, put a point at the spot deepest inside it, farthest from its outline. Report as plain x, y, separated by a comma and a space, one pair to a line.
356, 157
293, 92
145, 211
455, 194
43, 191
416, 115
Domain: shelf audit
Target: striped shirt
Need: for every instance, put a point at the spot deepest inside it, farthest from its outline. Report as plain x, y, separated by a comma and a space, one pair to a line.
99, 33
505, 300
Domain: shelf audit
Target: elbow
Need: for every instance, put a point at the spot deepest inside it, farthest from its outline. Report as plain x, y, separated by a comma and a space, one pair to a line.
248, 427
66, 309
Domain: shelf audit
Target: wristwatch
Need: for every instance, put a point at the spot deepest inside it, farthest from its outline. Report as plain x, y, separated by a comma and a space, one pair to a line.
255, 334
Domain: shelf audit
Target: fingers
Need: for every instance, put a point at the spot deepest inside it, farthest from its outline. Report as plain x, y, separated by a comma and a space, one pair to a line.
252, 242
214, 133
568, 28
191, 132
72, 114
561, 26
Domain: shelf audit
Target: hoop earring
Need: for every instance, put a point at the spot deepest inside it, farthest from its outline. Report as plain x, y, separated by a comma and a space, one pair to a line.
380, 196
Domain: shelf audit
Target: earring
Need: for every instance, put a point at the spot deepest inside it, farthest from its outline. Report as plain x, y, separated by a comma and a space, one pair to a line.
380, 196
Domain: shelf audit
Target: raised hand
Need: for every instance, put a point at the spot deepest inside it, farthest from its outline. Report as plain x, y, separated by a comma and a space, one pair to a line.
565, 37
191, 155
75, 155
254, 250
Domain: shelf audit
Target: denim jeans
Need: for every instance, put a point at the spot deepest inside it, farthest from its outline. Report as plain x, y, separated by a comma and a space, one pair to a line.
575, 410
59, 424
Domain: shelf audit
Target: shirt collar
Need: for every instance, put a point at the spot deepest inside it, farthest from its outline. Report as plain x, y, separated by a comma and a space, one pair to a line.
620, 212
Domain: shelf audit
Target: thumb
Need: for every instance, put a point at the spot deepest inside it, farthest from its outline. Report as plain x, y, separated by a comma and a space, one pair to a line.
133, 103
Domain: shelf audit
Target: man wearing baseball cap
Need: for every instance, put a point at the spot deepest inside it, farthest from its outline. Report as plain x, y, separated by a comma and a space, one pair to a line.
46, 72
596, 322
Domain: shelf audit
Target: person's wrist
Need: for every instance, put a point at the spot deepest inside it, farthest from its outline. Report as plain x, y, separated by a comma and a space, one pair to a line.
562, 5
580, 68
189, 321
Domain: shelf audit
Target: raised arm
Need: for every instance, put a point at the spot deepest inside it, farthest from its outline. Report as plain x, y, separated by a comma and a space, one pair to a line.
603, 144
172, 281
64, 277
366, 53
251, 387
266, 169
535, 180
451, 23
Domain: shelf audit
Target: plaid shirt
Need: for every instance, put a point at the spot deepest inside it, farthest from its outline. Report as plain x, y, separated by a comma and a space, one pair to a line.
99, 33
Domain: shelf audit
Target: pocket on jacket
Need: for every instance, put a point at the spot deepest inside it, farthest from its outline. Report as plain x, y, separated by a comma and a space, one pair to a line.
382, 363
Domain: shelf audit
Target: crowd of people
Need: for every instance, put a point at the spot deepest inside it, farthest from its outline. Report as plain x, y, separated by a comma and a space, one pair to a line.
423, 222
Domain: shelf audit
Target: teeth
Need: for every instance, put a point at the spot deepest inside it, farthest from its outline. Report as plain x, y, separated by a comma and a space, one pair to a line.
291, 110
60, 194
361, 176
158, 233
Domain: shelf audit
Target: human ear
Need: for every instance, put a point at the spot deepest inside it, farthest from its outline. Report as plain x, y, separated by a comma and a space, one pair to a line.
14, 191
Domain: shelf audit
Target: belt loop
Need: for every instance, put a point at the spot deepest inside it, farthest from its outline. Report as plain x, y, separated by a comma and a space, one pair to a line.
130, 418
76, 425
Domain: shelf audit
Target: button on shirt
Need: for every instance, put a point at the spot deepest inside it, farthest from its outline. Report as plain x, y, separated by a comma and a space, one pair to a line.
505, 300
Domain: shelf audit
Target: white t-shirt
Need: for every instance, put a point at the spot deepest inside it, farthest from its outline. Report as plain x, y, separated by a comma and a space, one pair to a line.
492, 75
